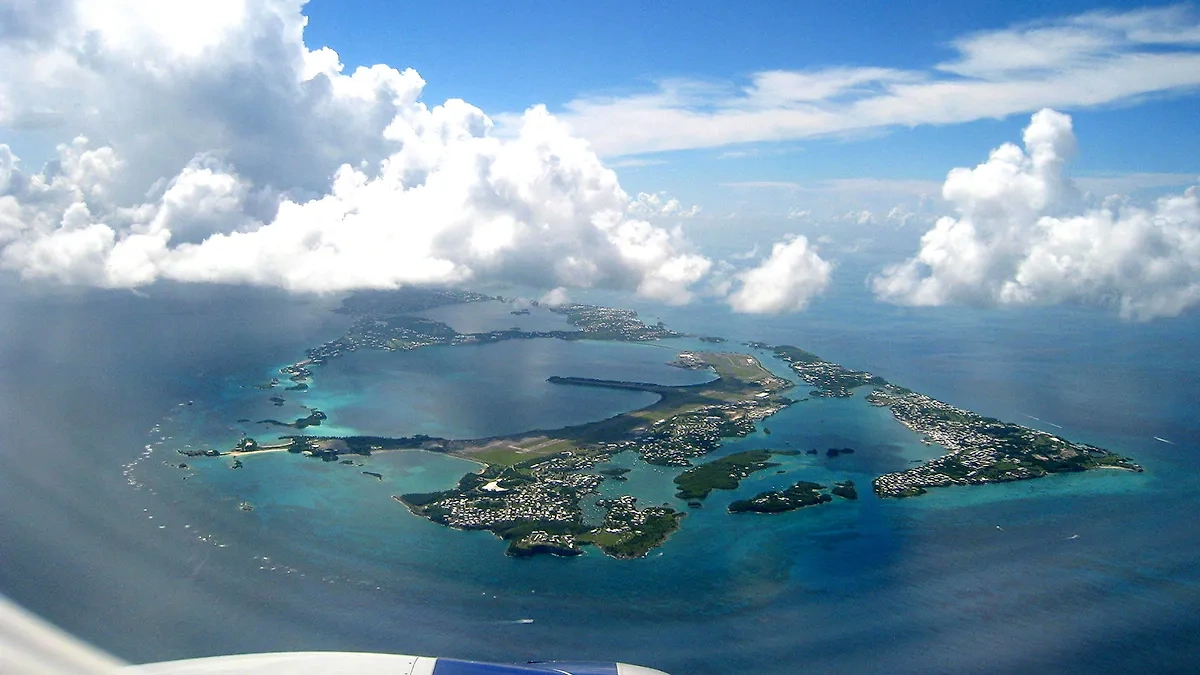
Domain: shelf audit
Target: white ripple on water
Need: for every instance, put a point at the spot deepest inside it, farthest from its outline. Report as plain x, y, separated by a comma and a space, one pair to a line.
130, 472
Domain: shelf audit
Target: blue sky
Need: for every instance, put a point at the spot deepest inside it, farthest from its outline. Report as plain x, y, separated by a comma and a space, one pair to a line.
505, 57
984, 153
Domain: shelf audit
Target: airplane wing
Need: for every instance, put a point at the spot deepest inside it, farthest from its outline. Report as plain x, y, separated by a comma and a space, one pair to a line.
355, 663
30, 645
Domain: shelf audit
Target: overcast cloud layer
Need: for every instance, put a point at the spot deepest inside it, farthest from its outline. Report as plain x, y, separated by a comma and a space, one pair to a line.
1090, 59
1022, 236
214, 146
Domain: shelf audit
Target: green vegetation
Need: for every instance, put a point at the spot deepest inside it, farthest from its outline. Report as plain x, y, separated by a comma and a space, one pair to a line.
313, 419
535, 516
421, 499
654, 531
539, 542
629, 533
725, 473
607, 323
405, 330
845, 490
741, 367
330, 448
615, 473
406, 300
798, 496
979, 449
829, 378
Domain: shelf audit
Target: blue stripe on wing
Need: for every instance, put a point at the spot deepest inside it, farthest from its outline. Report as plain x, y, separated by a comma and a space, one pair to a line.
454, 667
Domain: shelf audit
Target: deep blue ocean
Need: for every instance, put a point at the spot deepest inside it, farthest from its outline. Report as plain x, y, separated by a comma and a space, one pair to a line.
104, 534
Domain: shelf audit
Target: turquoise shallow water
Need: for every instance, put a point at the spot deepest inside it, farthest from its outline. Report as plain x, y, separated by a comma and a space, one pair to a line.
342, 525
1084, 573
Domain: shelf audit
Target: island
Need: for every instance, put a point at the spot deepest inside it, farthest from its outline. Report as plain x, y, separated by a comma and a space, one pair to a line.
845, 490
721, 474
615, 473
531, 487
312, 419
798, 496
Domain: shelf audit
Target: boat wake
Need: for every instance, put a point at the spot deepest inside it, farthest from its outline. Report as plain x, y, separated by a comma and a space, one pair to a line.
1163, 440
1056, 426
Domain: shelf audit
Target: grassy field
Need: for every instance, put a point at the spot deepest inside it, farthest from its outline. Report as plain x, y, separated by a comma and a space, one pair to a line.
739, 366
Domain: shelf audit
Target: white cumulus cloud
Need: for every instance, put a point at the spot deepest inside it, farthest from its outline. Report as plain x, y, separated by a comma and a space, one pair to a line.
784, 282
659, 205
556, 297
1022, 235
212, 145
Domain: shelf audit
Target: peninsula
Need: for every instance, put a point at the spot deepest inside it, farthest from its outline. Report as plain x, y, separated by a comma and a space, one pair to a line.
979, 449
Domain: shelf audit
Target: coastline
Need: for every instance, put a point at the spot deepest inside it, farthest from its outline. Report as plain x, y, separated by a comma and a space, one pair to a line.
670, 431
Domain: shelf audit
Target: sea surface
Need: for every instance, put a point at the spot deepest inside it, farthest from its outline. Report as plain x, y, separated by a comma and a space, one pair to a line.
105, 534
